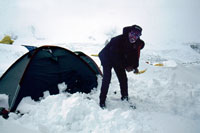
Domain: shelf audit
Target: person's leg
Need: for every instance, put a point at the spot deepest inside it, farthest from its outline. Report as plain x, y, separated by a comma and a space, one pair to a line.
105, 84
123, 81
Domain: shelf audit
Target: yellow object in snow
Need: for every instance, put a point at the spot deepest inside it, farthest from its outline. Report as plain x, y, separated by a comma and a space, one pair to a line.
142, 71
155, 64
7, 40
96, 55
159, 64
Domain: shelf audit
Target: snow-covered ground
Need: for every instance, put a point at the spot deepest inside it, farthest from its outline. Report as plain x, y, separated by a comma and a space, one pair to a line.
167, 97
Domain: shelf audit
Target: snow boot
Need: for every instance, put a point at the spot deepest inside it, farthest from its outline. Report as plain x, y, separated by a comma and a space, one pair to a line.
124, 98
102, 104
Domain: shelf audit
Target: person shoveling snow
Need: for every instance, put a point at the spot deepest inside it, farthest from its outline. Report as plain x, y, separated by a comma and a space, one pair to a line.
122, 53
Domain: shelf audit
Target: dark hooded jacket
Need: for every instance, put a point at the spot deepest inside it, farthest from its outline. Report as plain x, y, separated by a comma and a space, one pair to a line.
119, 52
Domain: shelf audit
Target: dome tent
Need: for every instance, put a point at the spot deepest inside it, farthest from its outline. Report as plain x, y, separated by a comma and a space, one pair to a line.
43, 69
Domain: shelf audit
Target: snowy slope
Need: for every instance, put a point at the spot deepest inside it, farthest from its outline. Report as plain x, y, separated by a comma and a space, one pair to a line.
9, 54
167, 98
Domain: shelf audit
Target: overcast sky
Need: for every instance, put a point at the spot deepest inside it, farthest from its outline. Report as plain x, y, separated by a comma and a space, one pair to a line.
76, 20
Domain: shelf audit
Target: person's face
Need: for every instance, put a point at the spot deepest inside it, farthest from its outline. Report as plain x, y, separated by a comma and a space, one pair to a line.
133, 36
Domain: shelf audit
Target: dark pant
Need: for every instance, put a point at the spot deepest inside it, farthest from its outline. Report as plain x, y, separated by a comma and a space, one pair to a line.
121, 75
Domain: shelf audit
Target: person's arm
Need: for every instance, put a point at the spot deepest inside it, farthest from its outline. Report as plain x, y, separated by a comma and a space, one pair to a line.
133, 64
140, 47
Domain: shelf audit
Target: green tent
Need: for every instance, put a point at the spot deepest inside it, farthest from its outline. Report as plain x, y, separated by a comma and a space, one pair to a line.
43, 69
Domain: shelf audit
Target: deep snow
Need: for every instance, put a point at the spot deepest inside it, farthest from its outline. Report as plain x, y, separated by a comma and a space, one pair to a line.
167, 98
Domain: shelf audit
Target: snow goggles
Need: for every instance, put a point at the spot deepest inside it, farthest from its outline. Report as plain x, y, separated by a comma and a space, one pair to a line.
134, 34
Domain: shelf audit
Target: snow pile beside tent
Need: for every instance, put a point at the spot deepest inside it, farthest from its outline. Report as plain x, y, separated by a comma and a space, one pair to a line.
77, 113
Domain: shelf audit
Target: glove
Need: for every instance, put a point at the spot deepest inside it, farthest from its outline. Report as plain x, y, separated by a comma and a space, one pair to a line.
129, 69
136, 71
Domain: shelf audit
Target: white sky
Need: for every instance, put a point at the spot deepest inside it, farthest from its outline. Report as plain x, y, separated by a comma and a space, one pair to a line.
75, 21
